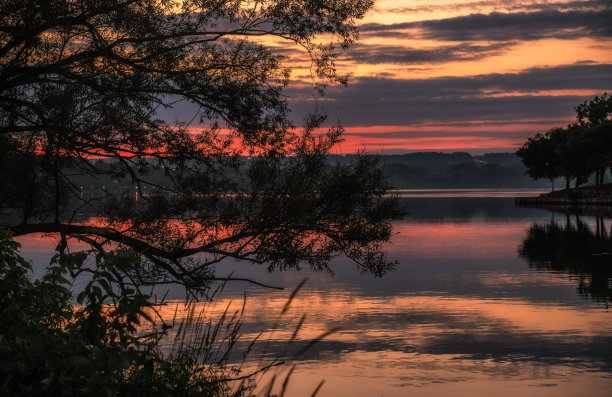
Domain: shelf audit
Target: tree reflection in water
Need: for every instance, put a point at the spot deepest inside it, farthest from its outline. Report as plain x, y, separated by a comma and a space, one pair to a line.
577, 247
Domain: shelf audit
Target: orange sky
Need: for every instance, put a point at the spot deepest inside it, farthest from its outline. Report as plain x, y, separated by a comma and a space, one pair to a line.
459, 75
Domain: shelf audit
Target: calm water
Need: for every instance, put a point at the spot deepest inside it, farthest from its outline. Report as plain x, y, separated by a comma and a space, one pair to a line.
480, 303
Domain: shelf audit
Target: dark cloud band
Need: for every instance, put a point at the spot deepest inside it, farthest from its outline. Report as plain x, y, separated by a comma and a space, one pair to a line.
508, 5
381, 101
376, 54
504, 26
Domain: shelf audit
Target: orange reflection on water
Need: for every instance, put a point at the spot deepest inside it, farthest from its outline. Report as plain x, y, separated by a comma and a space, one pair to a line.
328, 309
396, 345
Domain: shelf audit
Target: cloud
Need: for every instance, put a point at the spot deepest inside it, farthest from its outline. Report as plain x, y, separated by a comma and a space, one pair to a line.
409, 110
377, 54
499, 109
380, 101
507, 5
498, 26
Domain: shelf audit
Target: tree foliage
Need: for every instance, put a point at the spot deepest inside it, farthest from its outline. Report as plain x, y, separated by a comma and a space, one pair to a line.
539, 157
82, 85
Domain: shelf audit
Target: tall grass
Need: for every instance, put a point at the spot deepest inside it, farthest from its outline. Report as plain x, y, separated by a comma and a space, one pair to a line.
116, 340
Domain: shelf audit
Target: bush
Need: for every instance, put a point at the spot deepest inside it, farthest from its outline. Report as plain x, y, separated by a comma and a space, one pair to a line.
51, 346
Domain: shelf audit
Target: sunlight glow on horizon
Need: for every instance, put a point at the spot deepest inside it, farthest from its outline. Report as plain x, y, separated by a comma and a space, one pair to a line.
466, 75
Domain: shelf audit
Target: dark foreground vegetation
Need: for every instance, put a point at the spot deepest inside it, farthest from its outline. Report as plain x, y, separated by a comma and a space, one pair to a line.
52, 347
82, 85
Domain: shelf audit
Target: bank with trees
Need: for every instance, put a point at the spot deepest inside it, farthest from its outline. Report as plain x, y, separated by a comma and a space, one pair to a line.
577, 152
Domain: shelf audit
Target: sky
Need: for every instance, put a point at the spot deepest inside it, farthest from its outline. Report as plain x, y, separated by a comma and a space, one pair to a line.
474, 76
458, 75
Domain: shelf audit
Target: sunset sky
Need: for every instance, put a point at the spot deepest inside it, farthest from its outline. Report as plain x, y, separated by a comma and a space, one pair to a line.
452, 75
475, 76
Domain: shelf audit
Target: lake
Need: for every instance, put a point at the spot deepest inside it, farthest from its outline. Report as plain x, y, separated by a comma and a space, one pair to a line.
486, 298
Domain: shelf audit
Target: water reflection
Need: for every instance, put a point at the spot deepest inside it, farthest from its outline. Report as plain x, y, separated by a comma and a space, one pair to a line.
462, 315
417, 344
581, 248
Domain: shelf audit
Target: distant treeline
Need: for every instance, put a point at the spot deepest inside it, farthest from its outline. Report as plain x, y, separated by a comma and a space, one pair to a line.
406, 171
458, 170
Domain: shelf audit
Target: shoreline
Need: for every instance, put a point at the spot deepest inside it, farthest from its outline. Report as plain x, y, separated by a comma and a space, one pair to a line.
583, 197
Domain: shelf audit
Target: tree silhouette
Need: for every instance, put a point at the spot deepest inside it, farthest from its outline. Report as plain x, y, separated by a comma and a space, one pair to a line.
82, 85
595, 117
539, 156
576, 152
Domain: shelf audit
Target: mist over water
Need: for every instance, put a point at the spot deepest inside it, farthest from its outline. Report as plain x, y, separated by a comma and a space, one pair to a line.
471, 309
